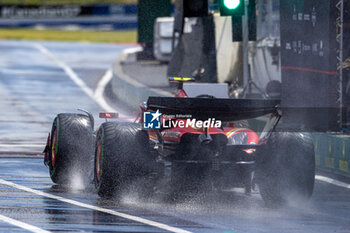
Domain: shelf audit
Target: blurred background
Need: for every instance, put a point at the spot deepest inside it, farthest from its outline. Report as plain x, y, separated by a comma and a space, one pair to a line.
71, 20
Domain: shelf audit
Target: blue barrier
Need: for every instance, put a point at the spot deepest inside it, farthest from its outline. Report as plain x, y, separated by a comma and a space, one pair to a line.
130, 9
112, 17
20, 11
84, 24
97, 10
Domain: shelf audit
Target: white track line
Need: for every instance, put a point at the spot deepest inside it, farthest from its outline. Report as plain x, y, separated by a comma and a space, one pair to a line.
101, 86
22, 225
100, 209
132, 50
107, 77
21, 145
332, 181
75, 78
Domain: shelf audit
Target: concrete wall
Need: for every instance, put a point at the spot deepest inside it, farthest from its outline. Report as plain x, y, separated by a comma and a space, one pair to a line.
128, 90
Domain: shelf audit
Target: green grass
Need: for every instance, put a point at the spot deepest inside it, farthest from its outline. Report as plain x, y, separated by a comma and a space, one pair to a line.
58, 35
63, 2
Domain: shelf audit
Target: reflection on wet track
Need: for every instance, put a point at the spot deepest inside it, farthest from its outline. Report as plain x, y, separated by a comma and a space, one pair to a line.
33, 89
327, 211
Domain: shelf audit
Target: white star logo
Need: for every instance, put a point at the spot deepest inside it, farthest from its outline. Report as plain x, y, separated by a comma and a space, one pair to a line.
155, 115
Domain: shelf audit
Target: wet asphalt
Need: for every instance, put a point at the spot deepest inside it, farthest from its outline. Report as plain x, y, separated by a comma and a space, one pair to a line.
34, 88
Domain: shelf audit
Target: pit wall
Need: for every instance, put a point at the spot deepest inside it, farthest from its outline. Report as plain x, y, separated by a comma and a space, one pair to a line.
128, 90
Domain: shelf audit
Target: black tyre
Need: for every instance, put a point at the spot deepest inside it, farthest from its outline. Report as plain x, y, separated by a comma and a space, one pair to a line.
286, 168
71, 148
121, 157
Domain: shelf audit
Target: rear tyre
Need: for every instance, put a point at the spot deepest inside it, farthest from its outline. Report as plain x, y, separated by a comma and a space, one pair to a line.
286, 168
71, 148
121, 158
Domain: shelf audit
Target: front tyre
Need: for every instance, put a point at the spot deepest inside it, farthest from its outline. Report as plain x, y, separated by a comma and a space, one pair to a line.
286, 168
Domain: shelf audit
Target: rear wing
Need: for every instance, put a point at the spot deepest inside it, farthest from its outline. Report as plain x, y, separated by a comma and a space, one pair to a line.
220, 109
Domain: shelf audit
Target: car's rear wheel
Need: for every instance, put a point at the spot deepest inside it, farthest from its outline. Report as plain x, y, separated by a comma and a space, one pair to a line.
121, 157
71, 148
286, 168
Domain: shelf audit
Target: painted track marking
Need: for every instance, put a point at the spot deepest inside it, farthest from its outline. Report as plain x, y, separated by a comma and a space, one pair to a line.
332, 181
76, 79
22, 145
22, 225
132, 50
101, 86
100, 209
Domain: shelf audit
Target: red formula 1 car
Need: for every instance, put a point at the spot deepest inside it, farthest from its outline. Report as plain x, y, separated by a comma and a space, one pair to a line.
195, 141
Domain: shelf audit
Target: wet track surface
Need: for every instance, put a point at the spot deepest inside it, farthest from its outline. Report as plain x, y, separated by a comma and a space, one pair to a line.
35, 85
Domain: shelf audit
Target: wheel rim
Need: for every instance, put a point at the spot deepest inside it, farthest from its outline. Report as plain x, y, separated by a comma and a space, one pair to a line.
99, 160
54, 148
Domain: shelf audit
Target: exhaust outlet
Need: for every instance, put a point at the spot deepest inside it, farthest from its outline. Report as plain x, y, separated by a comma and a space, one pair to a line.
205, 139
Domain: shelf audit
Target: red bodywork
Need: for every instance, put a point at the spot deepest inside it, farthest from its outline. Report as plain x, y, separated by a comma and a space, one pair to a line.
173, 135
